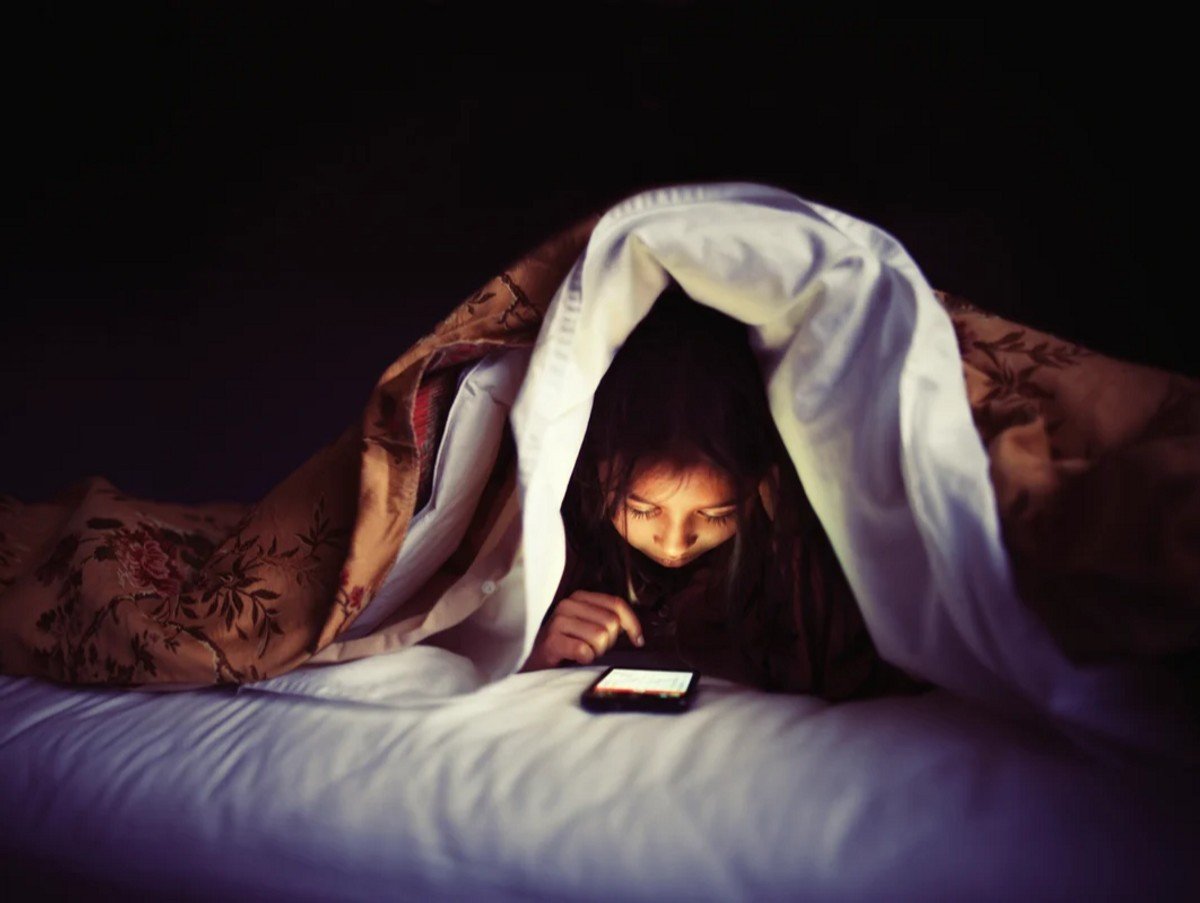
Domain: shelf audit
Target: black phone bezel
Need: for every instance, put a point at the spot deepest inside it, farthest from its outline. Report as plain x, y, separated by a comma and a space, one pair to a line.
632, 702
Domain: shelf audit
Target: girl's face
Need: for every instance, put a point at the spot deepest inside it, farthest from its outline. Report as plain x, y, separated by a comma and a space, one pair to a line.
675, 517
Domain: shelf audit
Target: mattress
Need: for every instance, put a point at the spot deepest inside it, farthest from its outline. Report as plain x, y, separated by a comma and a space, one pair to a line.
410, 776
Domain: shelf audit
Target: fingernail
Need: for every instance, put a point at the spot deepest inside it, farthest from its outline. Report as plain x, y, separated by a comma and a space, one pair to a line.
641, 640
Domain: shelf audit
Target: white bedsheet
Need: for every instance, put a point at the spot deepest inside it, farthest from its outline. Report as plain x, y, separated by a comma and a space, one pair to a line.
424, 775
387, 778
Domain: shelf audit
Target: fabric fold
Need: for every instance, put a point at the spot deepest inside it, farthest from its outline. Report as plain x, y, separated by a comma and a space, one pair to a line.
1017, 515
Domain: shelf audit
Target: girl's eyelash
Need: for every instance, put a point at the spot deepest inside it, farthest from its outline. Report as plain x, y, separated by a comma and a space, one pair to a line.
712, 520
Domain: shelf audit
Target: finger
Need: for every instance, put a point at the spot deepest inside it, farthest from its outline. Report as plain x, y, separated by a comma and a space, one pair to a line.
622, 609
595, 635
560, 646
596, 614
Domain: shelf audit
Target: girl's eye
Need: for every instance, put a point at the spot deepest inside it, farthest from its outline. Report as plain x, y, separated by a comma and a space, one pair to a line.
648, 514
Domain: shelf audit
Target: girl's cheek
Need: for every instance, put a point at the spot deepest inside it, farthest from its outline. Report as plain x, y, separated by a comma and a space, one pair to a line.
725, 536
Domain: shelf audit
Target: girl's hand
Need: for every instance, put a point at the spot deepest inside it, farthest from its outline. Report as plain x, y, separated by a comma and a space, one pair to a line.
583, 627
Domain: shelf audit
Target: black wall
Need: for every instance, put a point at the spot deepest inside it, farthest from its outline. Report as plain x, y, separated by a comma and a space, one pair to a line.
224, 224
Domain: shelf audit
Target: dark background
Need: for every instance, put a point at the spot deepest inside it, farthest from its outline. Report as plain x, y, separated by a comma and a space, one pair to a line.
225, 222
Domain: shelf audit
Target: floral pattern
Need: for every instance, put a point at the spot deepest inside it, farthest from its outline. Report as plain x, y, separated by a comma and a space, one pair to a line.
176, 586
99, 587
1096, 467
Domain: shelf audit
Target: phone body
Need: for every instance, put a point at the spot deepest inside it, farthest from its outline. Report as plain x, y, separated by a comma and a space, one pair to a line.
641, 690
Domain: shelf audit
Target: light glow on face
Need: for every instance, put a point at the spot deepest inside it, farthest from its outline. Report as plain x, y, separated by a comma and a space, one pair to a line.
675, 516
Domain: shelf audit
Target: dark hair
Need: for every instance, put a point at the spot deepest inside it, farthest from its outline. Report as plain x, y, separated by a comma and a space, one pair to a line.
686, 389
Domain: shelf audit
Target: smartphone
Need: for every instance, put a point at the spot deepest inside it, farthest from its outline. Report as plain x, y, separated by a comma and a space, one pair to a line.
641, 690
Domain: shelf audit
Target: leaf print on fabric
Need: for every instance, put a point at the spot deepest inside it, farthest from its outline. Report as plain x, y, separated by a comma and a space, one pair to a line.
519, 313
479, 299
225, 592
236, 594
74, 653
321, 535
1057, 355
164, 570
1008, 342
1044, 354
229, 594
1009, 381
1018, 373
58, 565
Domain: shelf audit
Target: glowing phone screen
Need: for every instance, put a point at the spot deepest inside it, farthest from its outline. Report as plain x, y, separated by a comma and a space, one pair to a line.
644, 682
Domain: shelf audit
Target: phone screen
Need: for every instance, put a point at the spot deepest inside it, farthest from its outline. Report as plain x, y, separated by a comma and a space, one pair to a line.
643, 682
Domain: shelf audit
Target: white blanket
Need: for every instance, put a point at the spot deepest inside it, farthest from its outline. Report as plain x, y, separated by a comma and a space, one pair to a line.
388, 778
865, 383
424, 774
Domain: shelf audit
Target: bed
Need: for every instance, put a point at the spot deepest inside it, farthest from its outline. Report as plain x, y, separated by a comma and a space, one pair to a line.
368, 734
398, 777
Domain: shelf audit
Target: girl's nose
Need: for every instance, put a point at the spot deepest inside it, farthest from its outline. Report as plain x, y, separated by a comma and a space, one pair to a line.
676, 541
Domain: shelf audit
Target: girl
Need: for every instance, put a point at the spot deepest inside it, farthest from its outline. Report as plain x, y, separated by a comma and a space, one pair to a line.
689, 536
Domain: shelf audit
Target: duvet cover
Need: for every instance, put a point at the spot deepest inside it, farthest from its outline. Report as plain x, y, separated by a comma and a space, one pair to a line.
1019, 516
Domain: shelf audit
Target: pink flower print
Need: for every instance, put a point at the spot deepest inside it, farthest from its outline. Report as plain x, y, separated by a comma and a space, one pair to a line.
143, 564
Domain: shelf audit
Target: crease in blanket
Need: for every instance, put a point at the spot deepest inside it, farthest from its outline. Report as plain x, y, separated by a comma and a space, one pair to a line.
1095, 464
452, 594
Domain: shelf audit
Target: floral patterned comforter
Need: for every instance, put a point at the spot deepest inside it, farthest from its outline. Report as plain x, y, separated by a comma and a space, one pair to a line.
1095, 463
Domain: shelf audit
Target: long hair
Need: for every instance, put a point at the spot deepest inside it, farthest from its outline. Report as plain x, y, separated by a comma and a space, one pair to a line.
686, 389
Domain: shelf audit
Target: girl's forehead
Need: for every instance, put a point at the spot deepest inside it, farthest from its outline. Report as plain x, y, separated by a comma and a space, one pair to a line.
663, 480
